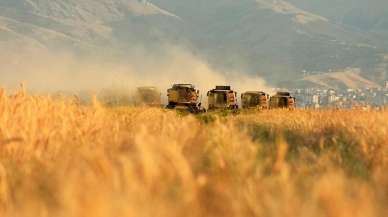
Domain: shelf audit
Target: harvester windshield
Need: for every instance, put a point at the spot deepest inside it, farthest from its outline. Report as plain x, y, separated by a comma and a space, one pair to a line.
220, 98
280, 101
251, 99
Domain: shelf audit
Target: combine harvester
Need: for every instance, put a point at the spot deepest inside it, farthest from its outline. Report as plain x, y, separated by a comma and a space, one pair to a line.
282, 100
255, 100
222, 98
148, 96
184, 97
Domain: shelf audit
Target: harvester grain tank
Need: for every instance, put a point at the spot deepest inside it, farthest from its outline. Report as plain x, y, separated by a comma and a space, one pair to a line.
223, 98
148, 96
184, 97
255, 100
282, 100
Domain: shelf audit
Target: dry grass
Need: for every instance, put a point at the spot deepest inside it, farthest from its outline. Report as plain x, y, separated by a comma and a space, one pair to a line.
58, 158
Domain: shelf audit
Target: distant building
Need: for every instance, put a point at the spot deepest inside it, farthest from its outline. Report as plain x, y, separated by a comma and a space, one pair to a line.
331, 96
341, 98
316, 99
385, 100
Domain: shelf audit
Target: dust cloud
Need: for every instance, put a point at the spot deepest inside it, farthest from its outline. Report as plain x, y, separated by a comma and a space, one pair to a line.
44, 71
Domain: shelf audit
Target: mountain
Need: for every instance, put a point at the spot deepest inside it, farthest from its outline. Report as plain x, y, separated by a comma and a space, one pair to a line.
369, 15
64, 23
348, 78
276, 39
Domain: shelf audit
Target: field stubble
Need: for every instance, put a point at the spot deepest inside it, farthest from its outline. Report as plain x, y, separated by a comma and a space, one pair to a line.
60, 158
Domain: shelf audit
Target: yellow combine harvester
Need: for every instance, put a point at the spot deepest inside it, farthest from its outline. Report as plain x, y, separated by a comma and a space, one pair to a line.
255, 100
148, 96
222, 98
184, 97
282, 100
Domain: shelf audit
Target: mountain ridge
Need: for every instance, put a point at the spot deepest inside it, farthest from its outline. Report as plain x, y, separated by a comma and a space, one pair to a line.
275, 39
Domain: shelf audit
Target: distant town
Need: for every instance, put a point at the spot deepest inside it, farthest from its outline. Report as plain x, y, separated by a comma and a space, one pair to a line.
341, 98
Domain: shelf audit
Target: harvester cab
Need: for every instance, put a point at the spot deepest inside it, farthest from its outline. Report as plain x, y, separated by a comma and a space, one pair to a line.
222, 97
148, 96
282, 100
184, 97
255, 100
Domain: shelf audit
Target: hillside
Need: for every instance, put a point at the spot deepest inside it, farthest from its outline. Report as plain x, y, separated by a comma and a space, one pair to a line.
275, 39
350, 78
71, 23
369, 15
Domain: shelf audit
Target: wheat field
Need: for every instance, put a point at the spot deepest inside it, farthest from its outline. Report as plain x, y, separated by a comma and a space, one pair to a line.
59, 158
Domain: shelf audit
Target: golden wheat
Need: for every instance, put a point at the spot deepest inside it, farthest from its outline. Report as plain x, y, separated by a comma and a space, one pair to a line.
60, 158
